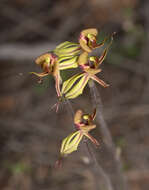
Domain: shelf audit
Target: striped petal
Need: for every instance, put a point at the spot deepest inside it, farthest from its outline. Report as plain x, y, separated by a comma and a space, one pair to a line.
67, 62
67, 48
69, 83
70, 143
78, 88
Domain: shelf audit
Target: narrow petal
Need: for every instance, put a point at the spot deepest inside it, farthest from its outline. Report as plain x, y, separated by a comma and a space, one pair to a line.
93, 114
104, 53
55, 68
101, 82
57, 85
92, 139
92, 71
102, 43
40, 74
103, 56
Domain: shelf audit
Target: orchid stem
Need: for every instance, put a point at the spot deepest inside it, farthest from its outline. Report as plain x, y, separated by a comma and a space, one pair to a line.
118, 180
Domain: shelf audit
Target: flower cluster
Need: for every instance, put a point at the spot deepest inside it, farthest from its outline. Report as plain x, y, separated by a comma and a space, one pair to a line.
69, 55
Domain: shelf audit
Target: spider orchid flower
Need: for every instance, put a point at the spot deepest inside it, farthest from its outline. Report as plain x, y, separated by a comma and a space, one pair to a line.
75, 85
88, 40
84, 124
49, 64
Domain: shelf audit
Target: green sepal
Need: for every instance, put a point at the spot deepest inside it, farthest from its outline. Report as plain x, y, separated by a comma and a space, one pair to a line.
69, 83
70, 143
78, 87
67, 48
65, 45
67, 62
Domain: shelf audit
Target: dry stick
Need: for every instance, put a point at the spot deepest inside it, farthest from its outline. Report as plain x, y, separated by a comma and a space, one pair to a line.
102, 181
117, 178
101, 178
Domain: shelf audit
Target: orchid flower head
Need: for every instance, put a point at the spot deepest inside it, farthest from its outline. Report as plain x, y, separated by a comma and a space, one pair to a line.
88, 39
84, 124
89, 65
49, 64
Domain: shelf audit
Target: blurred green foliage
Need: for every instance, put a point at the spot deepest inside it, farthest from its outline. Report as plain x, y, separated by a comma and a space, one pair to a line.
18, 167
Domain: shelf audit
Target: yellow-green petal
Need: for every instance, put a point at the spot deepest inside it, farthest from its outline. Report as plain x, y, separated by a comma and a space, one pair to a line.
67, 48
69, 83
65, 44
78, 87
70, 143
67, 62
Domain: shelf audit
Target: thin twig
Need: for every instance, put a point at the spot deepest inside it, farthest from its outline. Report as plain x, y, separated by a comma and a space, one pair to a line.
118, 180
99, 173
